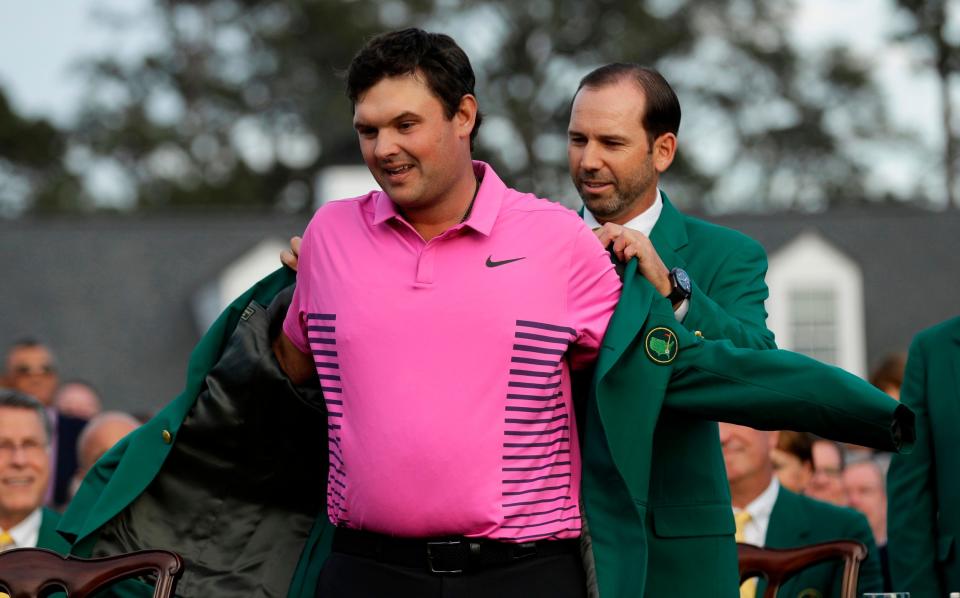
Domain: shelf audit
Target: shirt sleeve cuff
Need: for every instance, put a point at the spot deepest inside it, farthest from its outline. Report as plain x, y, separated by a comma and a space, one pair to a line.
680, 312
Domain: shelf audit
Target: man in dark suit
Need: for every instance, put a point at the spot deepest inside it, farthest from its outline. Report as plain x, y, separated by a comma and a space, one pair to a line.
923, 517
769, 515
32, 370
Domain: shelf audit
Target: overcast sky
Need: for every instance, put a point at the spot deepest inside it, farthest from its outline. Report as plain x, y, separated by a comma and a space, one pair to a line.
42, 40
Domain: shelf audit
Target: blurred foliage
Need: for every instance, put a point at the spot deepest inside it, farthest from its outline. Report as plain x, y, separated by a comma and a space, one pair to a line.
32, 170
242, 104
929, 23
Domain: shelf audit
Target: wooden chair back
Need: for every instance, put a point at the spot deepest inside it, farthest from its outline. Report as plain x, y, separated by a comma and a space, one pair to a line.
33, 572
776, 565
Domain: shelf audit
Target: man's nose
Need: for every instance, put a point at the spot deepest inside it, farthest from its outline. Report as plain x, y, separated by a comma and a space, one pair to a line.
386, 146
590, 158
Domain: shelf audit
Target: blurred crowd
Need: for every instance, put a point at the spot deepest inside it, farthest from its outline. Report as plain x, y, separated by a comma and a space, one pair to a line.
843, 475
51, 432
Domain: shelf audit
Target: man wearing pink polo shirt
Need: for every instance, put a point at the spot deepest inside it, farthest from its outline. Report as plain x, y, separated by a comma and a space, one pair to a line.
442, 317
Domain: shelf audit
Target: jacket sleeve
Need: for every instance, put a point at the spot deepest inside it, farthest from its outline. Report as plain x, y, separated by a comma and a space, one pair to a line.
734, 307
782, 390
911, 488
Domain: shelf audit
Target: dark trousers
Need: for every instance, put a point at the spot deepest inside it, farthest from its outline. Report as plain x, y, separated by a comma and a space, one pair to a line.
348, 576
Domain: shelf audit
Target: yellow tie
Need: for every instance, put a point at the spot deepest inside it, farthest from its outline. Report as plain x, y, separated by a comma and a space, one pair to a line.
749, 588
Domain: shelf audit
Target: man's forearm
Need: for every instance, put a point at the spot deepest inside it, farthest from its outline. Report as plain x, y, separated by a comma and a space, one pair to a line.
297, 365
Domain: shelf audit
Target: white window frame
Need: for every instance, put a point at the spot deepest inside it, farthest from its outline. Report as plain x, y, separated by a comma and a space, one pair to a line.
810, 262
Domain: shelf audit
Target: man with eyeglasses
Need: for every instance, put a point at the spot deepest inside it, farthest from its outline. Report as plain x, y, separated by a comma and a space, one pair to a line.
827, 481
32, 370
24, 475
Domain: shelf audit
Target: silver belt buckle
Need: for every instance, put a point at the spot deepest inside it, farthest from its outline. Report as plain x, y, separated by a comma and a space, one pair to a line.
431, 556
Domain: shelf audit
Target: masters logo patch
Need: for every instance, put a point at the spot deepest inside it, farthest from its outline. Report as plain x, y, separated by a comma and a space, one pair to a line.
661, 345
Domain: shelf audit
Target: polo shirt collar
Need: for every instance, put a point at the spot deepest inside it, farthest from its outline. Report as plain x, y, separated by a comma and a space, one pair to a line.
486, 205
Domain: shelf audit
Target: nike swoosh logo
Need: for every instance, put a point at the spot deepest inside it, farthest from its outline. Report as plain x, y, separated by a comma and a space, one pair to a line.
493, 264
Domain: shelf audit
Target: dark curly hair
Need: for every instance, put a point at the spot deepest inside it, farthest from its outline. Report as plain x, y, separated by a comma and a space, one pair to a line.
441, 62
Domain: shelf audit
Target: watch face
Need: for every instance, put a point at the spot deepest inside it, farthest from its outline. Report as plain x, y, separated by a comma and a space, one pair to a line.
683, 281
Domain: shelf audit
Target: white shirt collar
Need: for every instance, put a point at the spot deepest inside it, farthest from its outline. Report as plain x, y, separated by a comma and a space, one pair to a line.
643, 222
26, 533
760, 509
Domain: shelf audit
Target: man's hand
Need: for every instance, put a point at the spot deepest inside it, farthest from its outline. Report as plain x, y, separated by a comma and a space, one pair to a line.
289, 256
628, 243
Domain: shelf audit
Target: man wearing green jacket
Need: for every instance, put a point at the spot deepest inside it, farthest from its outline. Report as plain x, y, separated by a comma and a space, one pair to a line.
923, 514
24, 475
622, 137
772, 516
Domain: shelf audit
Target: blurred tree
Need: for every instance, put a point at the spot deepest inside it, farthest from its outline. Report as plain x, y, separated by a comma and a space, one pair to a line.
930, 25
764, 125
241, 106
32, 171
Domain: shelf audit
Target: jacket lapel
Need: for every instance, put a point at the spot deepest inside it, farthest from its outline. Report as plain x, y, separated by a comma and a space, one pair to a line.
627, 320
669, 235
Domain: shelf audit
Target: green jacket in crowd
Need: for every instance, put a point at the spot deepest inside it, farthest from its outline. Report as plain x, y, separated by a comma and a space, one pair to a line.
798, 520
48, 537
923, 513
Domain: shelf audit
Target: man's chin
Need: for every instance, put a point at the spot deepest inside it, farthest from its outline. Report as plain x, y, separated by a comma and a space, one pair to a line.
601, 207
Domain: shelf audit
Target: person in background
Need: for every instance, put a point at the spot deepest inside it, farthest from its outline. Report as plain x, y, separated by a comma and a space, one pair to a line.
769, 515
32, 370
826, 484
24, 475
867, 492
98, 437
888, 375
923, 520
77, 398
792, 457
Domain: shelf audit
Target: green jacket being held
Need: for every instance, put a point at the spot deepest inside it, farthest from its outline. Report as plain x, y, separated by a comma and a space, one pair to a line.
231, 474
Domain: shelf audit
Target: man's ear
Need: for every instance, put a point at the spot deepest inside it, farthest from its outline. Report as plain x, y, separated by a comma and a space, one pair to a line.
466, 116
664, 149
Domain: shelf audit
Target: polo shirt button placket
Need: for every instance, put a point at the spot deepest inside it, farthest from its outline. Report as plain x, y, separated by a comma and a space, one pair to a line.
425, 266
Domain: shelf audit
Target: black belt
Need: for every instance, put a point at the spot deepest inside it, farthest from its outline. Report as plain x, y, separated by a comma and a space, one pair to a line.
444, 555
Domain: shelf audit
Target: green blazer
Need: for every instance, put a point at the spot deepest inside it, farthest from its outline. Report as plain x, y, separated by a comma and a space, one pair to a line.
110, 491
798, 520
48, 536
707, 380
923, 517
727, 269
658, 504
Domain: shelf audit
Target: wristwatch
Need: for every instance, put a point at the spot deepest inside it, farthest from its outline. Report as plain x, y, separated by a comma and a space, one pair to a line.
680, 287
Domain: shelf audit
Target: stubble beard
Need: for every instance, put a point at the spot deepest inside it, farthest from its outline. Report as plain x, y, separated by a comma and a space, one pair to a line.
620, 202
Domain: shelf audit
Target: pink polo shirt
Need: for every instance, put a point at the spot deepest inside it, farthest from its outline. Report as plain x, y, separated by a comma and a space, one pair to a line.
446, 364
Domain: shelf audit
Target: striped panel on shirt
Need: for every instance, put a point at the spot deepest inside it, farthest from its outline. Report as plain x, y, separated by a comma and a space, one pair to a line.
536, 467
321, 336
